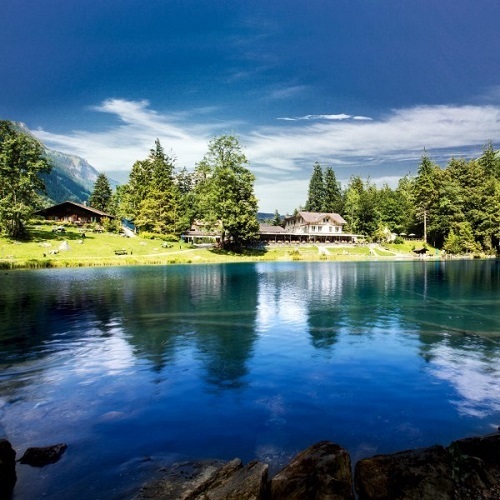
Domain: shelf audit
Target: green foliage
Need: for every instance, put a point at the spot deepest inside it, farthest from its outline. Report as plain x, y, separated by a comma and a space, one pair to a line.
146, 235
111, 225
224, 192
461, 241
21, 163
151, 198
101, 195
276, 219
333, 202
361, 207
316, 194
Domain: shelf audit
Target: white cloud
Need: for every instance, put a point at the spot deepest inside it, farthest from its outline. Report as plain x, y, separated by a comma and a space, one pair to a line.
322, 117
282, 156
119, 147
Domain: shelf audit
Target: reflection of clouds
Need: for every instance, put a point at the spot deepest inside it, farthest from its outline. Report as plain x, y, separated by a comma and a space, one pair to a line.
109, 356
280, 297
476, 378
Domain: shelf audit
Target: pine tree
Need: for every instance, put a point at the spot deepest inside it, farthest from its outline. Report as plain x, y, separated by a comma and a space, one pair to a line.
151, 198
101, 194
316, 194
333, 193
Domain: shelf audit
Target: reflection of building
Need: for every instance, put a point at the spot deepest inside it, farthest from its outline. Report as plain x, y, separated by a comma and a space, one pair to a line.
73, 212
309, 227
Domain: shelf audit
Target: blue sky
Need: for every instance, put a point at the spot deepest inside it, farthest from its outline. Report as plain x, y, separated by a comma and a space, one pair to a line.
361, 85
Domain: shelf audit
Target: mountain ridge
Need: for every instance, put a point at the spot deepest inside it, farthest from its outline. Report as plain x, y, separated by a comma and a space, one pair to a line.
71, 178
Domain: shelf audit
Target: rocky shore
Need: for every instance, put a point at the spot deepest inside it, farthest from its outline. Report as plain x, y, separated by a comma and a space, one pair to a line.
466, 469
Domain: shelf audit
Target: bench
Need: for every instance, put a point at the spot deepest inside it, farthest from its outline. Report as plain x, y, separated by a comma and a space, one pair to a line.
121, 252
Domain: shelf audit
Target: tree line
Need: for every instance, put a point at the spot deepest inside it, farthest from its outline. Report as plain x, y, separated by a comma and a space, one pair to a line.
456, 207
158, 198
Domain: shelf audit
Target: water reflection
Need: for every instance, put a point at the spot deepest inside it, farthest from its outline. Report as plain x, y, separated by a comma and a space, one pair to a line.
473, 370
381, 356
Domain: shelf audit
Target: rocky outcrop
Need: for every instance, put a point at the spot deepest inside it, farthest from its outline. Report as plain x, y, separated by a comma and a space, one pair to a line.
41, 456
425, 473
322, 471
210, 480
467, 469
7, 468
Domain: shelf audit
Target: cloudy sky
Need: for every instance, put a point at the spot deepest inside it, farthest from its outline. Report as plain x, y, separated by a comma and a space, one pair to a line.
361, 85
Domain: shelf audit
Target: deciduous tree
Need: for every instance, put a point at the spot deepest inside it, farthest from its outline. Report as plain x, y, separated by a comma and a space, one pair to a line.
21, 161
225, 191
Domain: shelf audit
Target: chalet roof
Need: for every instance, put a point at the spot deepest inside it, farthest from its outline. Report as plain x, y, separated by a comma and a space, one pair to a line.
54, 208
316, 217
267, 228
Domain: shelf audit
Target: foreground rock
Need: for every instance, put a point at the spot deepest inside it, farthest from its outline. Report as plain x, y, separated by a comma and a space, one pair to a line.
322, 471
41, 456
211, 480
467, 469
7, 468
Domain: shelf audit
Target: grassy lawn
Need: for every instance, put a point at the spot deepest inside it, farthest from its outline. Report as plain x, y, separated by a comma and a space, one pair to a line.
46, 249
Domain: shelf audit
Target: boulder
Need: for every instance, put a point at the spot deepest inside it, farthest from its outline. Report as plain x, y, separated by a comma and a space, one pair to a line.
467, 469
41, 456
322, 471
210, 480
7, 468
414, 474
476, 464
181, 479
241, 483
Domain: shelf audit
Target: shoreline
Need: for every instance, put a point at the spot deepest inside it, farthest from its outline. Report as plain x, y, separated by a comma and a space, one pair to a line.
190, 256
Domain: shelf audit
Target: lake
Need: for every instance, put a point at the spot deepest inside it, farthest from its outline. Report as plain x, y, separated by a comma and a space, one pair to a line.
137, 367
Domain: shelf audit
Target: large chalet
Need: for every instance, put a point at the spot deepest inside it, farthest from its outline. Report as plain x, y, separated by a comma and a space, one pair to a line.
305, 227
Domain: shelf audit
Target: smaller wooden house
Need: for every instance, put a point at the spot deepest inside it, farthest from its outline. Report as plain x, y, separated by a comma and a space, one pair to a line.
76, 213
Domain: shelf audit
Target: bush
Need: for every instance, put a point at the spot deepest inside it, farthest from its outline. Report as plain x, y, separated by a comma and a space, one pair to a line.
147, 235
111, 225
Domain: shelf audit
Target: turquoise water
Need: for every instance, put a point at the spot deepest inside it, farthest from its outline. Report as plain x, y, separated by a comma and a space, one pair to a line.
138, 367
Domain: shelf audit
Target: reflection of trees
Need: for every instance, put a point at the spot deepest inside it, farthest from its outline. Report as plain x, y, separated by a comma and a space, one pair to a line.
212, 306
37, 308
225, 320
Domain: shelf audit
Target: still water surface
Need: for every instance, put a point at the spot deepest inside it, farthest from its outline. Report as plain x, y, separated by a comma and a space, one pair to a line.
141, 366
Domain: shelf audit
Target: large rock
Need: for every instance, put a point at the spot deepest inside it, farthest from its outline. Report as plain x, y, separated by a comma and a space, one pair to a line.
476, 465
42, 456
467, 469
414, 474
210, 480
322, 471
7, 468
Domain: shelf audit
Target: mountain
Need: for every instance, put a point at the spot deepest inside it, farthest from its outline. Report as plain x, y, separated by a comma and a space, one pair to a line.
71, 178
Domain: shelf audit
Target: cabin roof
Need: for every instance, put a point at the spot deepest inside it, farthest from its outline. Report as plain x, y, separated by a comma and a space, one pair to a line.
66, 204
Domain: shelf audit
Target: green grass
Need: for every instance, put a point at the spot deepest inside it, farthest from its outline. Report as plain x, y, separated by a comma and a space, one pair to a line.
98, 249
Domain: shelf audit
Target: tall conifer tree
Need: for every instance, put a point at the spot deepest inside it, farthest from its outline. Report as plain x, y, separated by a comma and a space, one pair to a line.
333, 194
316, 194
